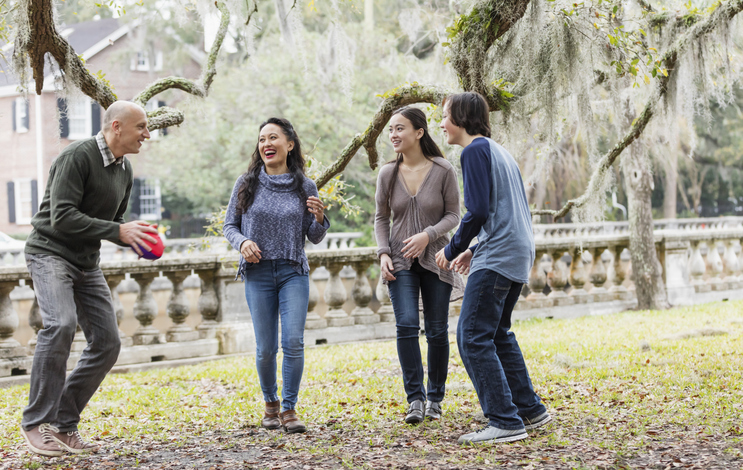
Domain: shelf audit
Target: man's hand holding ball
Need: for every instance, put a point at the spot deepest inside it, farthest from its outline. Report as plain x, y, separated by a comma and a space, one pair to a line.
143, 238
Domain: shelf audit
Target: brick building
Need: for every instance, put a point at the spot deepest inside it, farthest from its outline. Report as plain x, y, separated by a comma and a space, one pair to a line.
34, 129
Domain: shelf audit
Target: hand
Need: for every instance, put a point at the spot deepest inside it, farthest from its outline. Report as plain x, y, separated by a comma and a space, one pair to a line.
135, 233
385, 264
250, 251
415, 245
316, 208
441, 260
461, 263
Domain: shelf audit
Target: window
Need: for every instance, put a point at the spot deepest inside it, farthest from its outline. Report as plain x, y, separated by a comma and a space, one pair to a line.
22, 200
142, 63
149, 200
20, 115
78, 116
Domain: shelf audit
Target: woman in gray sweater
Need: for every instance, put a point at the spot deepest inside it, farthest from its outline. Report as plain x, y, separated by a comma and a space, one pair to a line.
419, 190
272, 208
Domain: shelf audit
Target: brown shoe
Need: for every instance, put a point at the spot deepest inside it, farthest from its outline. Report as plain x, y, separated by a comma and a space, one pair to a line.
72, 442
40, 440
271, 415
291, 423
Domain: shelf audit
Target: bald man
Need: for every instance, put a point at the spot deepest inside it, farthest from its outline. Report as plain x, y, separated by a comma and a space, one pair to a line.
85, 200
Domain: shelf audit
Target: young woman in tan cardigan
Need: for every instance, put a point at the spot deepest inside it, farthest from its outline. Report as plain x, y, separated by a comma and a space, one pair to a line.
419, 190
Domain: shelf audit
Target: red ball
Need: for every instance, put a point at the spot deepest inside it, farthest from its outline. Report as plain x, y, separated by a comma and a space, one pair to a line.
157, 248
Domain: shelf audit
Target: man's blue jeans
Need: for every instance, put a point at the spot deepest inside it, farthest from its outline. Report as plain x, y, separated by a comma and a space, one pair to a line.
275, 291
404, 296
491, 354
68, 296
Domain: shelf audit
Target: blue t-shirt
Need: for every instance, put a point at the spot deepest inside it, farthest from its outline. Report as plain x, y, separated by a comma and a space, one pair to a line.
497, 213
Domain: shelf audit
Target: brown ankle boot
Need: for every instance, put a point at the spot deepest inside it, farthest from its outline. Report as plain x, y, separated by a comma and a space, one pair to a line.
291, 423
271, 418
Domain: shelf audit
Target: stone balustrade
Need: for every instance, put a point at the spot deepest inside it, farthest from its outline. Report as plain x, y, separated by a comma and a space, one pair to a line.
191, 306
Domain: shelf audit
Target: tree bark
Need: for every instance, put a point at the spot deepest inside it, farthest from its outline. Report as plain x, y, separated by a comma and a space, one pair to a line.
647, 270
670, 190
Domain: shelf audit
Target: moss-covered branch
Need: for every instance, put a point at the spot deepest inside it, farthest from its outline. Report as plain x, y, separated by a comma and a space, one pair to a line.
169, 83
722, 15
36, 37
164, 117
200, 88
393, 99
473, 34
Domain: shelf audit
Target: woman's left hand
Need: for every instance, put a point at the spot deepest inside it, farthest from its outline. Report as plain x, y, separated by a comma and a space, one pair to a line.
415, 245
316, 208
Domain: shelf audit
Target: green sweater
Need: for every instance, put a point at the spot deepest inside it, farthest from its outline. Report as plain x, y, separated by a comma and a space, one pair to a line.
84, 203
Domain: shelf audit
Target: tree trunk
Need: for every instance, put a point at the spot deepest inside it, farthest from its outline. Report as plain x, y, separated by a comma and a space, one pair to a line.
647, 270
283, 15
670, 191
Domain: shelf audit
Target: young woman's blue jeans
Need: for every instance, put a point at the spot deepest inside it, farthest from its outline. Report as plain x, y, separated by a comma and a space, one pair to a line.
491, 354
275, 291
404, 296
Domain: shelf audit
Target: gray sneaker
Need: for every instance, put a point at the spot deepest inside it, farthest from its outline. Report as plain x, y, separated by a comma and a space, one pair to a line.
491, 434
415, 412
537, 421
433, 409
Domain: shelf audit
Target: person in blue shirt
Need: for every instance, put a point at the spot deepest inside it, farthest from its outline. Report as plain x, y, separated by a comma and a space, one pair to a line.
498, 265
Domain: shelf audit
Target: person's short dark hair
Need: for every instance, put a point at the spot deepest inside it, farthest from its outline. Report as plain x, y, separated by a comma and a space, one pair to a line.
470, 111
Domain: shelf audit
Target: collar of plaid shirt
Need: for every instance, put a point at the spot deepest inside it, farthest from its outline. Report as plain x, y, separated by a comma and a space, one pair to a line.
108, 156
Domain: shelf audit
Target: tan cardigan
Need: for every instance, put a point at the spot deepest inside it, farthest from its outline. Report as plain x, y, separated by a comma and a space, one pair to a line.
434, 210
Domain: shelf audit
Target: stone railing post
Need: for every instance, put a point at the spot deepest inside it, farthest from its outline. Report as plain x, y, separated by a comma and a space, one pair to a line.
335, 297
731, 265
178, 309
598, 277
145, 310
386, 312
617, 290
697, 268
675, 270
9, 322
578, 277
362, 295
314, 320
208, 304
537, 283
714, 266
558, 279
113, 281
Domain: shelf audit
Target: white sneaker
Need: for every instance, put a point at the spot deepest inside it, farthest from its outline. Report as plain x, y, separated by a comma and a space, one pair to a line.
491, 434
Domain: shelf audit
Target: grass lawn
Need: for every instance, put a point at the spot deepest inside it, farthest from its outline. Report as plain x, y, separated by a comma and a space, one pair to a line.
647, 389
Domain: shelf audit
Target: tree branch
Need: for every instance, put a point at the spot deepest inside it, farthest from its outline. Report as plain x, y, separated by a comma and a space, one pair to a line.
724, 13
475, 33
164, 117
393, 99
168, 83
42, 38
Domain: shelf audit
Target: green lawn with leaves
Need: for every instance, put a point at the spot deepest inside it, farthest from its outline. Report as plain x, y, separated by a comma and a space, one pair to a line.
642, 389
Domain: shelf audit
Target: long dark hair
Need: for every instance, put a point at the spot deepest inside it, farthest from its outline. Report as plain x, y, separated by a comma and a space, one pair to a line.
429, 148
294, 160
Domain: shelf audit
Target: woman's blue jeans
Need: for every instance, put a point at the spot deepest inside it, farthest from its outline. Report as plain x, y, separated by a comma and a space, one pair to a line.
404, 296
275, 291
490, 352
